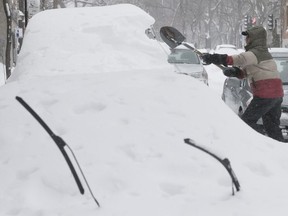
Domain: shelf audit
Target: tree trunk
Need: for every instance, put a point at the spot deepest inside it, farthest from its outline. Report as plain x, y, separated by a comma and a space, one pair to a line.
58, 2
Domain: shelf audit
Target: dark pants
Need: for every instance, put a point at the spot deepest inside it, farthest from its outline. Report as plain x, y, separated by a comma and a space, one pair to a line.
270, 111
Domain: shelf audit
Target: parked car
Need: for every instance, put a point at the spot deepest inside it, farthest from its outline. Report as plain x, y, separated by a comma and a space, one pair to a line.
108, 91
187, 62
237, 93
226, 49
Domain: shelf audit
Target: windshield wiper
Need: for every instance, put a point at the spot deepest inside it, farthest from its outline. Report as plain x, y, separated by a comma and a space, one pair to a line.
61, 144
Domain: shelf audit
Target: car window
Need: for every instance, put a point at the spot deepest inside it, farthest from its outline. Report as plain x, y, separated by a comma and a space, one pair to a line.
183, 56
282, 66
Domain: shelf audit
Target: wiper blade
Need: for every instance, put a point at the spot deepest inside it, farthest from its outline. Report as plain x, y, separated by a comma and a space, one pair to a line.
61, 144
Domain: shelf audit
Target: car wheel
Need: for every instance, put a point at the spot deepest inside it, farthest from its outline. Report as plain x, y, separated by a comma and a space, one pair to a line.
240, 111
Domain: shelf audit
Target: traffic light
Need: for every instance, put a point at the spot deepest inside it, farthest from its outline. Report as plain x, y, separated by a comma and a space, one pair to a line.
247, 22
270, 22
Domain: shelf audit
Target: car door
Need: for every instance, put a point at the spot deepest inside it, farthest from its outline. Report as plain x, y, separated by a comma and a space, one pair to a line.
231, 94
245, 96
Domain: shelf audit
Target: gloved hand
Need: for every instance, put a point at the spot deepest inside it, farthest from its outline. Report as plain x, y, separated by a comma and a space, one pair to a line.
232, 72
215, 59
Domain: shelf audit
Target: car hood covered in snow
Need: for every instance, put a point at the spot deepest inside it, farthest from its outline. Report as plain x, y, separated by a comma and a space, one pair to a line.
108, 91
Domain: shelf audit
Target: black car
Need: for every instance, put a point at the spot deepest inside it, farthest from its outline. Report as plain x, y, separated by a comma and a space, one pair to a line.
237, 93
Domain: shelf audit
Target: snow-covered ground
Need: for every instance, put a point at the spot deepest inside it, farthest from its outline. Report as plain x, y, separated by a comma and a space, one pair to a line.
108, 91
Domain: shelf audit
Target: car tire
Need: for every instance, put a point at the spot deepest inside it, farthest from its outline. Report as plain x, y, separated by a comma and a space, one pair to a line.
240, 111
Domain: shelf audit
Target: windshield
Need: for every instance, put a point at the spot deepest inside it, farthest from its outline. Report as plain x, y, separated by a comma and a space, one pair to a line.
282, 66
183, 56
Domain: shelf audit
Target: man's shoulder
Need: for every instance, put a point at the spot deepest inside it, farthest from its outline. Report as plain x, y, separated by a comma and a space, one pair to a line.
245, 58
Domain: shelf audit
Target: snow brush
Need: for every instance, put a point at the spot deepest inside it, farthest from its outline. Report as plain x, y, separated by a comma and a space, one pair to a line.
173, 38
61, 144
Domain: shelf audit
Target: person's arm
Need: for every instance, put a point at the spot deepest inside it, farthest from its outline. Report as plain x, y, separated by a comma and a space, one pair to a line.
243, 59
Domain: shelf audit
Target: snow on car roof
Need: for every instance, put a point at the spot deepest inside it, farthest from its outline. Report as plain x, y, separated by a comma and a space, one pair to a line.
225, 46
279, 52
96, 41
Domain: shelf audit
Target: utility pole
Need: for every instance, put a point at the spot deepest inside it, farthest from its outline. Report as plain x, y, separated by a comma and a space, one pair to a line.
9, 38
282, 21
274, 23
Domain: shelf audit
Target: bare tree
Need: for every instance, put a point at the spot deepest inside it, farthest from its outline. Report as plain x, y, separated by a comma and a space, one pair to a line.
57, 3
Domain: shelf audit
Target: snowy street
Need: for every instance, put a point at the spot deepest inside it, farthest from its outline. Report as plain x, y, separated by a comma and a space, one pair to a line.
107, 90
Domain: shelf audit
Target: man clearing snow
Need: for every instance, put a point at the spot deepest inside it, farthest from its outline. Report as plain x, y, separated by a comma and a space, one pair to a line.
258, 66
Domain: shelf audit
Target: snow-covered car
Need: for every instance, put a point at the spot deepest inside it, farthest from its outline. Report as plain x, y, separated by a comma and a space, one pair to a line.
237, 93
228, 49
106, 89
187, 62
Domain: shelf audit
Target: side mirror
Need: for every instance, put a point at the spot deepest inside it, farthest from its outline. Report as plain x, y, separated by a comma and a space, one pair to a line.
150, 33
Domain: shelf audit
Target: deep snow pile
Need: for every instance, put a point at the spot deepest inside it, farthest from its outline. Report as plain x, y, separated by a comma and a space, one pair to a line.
107, 90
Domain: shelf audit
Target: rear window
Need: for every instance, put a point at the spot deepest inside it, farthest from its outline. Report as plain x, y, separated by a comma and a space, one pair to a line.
282, 66
183, 56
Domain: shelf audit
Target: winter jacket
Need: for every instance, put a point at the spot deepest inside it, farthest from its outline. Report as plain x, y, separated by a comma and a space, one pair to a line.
258, 66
